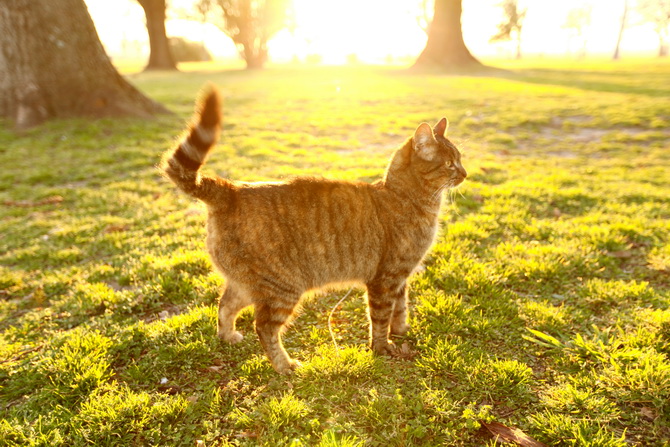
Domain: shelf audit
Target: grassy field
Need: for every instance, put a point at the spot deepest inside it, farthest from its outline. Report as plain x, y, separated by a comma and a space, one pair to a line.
544, 304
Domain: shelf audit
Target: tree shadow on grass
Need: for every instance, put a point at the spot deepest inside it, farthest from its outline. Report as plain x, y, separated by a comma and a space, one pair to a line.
598, 81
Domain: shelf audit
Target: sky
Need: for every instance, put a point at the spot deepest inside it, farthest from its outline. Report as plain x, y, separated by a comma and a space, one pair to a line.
380, 31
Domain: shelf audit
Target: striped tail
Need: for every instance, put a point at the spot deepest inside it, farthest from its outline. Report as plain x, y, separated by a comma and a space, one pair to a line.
182, 163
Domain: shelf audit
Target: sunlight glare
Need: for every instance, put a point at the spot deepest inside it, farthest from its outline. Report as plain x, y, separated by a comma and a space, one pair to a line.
351, 30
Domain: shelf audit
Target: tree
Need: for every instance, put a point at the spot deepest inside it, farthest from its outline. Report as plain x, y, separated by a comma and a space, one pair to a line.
160, 56
622, 27
577, 21
658, 13
53, 65
512, 24
445, 47
250, 23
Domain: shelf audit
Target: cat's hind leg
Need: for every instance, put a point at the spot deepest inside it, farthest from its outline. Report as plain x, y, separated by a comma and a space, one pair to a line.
271, 316
231, 302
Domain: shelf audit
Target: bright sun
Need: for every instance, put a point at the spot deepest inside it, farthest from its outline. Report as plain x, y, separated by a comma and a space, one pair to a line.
347, 30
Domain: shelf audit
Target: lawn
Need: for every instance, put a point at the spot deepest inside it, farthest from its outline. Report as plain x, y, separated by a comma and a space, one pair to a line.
543, 305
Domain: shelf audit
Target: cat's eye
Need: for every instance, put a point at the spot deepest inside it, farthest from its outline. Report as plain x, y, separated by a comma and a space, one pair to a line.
448, 164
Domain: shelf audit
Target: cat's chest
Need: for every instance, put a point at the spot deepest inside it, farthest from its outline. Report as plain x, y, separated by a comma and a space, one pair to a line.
414, 240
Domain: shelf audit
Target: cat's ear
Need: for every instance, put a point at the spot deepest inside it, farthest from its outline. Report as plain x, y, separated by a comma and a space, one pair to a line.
441, 127
424, 142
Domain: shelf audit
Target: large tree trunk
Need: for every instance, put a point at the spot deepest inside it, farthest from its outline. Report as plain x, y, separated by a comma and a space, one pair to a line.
53, 65
160, 56
445, 47
255, 56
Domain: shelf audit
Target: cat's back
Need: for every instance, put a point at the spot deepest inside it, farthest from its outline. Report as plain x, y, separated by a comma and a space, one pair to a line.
302, 197
323, 230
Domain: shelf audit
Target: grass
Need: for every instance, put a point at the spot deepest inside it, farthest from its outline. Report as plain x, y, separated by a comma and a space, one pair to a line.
544, 304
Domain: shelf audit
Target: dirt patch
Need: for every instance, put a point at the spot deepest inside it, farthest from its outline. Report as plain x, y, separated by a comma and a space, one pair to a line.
590, 134
587, 135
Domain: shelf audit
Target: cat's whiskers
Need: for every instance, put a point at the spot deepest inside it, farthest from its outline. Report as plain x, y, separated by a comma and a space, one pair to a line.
453, 192
436, 195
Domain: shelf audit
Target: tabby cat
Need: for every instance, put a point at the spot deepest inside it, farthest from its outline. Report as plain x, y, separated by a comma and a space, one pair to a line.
274, 241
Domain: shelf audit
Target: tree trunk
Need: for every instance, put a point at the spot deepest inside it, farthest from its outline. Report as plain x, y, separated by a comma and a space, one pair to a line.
52, 65
160, 56
255, 60
255, 55
662, 48
518, 45
445, 47
617, 54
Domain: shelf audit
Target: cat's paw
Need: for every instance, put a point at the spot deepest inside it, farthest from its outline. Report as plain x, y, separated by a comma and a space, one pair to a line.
400, 329
231, 337
384, 348
288, 367
294, 364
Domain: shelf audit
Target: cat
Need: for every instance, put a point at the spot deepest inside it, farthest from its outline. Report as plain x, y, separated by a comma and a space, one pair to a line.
275, 241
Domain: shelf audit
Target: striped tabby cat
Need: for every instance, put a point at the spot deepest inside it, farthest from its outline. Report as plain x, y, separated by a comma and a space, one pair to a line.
274, 241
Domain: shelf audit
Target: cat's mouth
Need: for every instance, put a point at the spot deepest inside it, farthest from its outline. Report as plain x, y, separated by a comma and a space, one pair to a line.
457, 181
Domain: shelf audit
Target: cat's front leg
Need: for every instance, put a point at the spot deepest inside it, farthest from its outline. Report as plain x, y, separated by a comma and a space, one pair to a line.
399, 325
381, 299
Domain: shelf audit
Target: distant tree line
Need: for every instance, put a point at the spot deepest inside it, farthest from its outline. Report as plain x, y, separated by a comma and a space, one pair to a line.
252, 23
578, 20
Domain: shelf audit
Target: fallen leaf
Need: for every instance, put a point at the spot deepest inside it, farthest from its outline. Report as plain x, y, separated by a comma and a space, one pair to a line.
648, 413
247, 434
511, 434
214, 368
404, 352
116, 228
171, 390
621, 254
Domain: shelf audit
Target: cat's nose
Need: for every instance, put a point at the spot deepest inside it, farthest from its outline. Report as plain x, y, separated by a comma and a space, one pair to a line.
461, 170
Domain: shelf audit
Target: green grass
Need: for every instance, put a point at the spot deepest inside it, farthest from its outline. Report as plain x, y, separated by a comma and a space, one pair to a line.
544, 304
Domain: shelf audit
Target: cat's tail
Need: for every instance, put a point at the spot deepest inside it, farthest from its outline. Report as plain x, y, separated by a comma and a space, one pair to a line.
182, 163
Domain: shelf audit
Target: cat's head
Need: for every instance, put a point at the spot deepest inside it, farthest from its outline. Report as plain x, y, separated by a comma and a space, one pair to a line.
435, 157
430, 157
